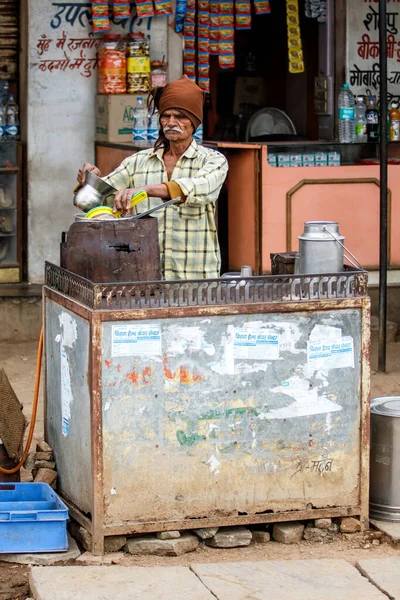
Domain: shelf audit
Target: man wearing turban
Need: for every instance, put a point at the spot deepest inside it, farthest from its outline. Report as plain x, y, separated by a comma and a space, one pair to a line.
176, 167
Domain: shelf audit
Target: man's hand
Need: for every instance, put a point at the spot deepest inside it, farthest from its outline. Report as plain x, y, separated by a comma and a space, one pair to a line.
122, 199
82, 172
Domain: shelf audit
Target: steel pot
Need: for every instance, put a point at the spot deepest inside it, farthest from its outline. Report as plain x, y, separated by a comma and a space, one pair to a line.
92, 193
385, 459
320, 248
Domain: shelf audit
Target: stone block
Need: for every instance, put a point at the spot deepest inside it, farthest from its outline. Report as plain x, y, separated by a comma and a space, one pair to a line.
334, 528
43, 446
350, 525
230, 537
43, 456
206, 532
45, 464
114, 558
152, 545
45, 476
113, 543
80, 534
260, 537
30, 461
313, 534
322, 523
383, 573
288, 533
168, 535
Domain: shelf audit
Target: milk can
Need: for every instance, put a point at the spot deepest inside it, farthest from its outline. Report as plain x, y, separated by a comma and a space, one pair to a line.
320, 248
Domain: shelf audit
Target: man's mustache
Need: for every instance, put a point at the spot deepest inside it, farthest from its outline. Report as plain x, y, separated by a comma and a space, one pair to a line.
175, 128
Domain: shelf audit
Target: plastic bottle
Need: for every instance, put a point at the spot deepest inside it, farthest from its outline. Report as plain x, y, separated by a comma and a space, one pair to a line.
12, 122
372, 120
361, 120
346, 115
394, 122
154, 126
4, 93
2, 121
140, 120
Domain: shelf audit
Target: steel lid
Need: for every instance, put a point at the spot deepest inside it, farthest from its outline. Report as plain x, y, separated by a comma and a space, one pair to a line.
387, 406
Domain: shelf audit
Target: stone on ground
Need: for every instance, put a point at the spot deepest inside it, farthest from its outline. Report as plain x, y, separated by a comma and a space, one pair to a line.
260, 536
114, 558
313, 534
45, 464
109, 583
45, 476
334, 528
322, 523
288, 533
43, 446
43, 558
392, 530
152, 545
30, 461
112, 543
286, 580
206, 532
168, 535
384, 573
230, 537
350, 525
43, 456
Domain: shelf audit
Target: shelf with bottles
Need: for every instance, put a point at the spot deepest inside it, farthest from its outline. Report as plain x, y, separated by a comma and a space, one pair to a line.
9, 111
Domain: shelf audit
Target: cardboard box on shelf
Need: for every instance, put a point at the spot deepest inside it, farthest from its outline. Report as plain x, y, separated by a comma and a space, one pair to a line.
114, 117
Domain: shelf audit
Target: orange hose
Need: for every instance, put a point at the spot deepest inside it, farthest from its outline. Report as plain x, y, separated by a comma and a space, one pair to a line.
34, 410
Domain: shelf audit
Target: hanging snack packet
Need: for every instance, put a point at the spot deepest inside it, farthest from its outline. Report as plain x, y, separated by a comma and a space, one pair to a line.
226, 47
101, 24
226, 61
189, 69
188, 31
99, 9
226, 20
203, 18
243, 21
262, 7
163, 8
203, 58
122, 9
190, 17
144, 8
203, 32
213, 7
203, 71
226, 34
203, 45
204, 83
180, 15
191, 4
189, 55
214, 47
189, 43
202, 5
225, 8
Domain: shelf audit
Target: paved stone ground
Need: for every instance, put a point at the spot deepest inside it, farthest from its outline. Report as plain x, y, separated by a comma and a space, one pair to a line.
327, 579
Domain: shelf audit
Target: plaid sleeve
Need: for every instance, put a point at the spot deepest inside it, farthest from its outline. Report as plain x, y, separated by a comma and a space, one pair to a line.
121, 177
205, 186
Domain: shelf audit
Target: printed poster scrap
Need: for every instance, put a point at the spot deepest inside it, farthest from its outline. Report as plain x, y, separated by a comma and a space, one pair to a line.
136, 340
259, 344
330, 354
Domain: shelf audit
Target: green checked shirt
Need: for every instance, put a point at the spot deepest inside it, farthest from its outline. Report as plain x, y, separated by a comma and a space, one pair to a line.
187, 232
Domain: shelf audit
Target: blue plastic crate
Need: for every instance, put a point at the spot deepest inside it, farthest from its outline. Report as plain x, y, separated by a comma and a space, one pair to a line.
32, 519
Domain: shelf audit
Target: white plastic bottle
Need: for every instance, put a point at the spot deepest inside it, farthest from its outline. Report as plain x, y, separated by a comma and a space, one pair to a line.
140, 121
2, 121
154, 126
12, 122
360, 120
346, 115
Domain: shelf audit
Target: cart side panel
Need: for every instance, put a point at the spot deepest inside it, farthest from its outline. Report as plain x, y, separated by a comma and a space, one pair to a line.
68, 402
194, 431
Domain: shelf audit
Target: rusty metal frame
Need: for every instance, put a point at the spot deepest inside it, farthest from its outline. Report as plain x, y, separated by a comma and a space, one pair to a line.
95, 523
290, 193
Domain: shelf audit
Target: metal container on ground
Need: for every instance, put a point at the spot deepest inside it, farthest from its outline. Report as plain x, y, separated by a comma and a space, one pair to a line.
208, 403
385, 459
319, 250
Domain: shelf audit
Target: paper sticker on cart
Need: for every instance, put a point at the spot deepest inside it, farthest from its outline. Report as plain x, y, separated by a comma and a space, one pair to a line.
330, 354
259, 344
136, 340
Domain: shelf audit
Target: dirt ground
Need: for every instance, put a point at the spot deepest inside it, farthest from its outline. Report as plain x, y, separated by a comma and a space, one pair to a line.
19, 362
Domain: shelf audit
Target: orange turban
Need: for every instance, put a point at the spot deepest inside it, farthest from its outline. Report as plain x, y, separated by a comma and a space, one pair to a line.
184, 95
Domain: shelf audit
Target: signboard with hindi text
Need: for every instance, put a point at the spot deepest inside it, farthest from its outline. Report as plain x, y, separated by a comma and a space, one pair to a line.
363, 47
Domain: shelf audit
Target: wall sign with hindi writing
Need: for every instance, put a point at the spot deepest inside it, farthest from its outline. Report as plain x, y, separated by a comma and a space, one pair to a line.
363, 47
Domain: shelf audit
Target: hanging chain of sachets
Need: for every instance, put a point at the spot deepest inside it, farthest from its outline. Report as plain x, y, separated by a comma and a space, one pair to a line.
226, 35
189, 37
181, 7
296, 60
100, 16
214, 26
203, 45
